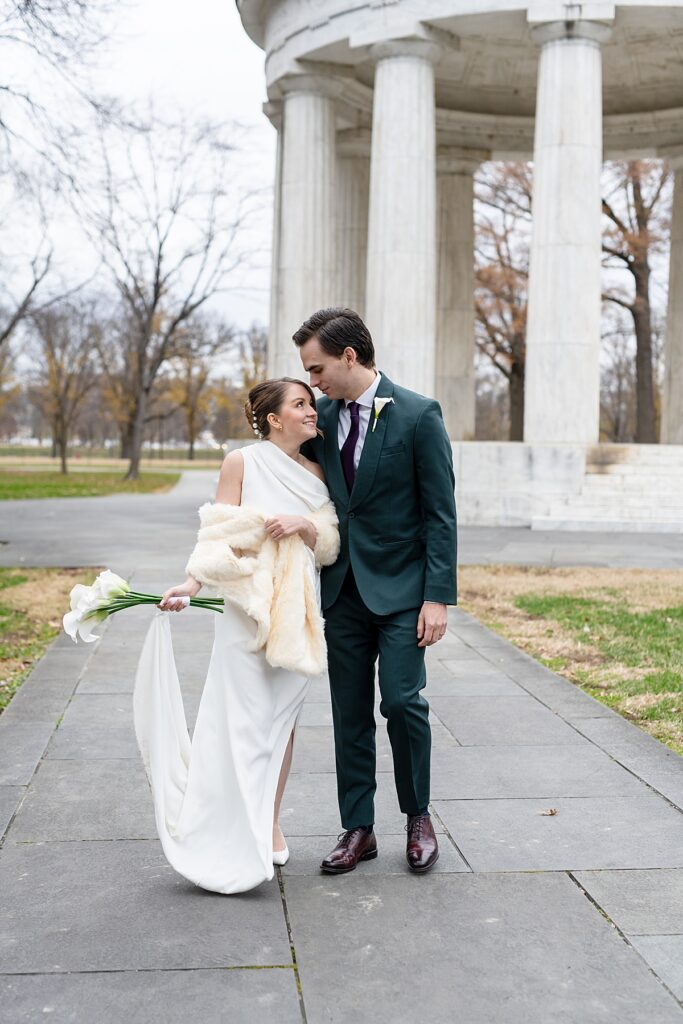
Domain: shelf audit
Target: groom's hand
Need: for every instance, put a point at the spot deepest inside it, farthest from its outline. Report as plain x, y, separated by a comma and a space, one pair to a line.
431, 624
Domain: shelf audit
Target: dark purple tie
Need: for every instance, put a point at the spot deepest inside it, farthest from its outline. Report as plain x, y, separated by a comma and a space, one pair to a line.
349, 446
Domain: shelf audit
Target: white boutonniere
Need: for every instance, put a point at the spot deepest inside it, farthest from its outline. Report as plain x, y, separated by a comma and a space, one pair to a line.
379, 404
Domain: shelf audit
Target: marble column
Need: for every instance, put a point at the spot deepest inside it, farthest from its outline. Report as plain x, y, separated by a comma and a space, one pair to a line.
275, 257
353, 182
672, 394
401, 269
306, 235
562, 374
455, 385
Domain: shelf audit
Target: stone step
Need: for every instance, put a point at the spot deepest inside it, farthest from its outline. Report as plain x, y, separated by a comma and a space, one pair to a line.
633, 485
626, 470
633, 452
589, 504
625, 499
615, 524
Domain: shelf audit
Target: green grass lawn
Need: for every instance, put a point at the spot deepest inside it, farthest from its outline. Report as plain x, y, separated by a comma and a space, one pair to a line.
86, 484
647, 645
32, 603
107, 454
618, 634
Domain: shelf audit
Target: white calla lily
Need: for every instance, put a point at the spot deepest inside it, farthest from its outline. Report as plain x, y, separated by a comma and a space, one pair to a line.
76, 625
89, 605
379, 404
84, 604
109, 586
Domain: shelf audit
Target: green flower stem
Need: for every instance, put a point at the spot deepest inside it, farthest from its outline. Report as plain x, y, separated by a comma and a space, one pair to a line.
199, 602
130, 600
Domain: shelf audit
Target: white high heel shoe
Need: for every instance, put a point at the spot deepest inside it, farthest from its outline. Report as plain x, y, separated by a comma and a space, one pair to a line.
280, 857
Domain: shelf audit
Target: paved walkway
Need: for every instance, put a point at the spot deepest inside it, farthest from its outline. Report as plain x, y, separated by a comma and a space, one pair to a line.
575, 916
141, 529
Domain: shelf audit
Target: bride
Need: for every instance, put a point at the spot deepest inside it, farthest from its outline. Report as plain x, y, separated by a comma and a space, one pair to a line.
260, 545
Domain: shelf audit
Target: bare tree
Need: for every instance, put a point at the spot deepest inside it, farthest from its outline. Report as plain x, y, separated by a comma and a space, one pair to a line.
502, 234
64, 336
636, 207
618, 412
49, 48
492, 405
10, 391
227, 420
167, 228
26, 252
199, 342
117, 356
253, 356
617, 383
116, 348
229, 396
94, 424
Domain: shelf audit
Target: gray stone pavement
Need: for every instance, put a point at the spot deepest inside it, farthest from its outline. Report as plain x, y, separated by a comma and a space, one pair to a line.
575, 916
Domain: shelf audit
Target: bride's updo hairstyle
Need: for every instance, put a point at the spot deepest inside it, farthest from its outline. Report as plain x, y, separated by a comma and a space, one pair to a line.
268, 397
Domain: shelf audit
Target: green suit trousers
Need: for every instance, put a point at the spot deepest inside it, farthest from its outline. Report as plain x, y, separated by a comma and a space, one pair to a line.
356, 638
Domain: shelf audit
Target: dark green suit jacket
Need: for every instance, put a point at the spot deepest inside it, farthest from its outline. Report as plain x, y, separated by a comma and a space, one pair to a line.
398, 525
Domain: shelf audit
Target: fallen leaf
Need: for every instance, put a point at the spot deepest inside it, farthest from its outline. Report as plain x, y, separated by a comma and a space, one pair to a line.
551, 810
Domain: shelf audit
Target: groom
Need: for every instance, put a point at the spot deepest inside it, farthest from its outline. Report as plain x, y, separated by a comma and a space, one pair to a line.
389, 469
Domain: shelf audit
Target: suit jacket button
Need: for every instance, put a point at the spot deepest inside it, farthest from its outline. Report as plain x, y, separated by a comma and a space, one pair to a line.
352, 515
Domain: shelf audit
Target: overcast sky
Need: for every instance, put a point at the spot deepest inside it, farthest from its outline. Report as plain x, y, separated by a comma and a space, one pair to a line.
196, 57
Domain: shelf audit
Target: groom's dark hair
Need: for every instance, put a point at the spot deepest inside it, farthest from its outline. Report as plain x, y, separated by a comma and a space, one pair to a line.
338, 328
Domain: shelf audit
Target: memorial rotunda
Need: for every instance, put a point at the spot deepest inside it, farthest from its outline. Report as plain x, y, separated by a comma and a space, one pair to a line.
385, 108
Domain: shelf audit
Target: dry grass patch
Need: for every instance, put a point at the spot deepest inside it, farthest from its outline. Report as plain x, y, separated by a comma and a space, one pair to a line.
32, 603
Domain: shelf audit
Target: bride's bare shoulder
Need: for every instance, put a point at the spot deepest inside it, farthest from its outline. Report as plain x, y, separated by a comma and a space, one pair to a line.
230, 478
313, 467
233, 463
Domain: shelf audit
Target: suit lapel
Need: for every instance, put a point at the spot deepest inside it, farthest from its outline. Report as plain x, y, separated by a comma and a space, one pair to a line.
372, 446
335, 474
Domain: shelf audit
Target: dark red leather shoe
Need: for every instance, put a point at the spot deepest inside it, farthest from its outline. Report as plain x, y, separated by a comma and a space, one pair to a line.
354, 845
422, 850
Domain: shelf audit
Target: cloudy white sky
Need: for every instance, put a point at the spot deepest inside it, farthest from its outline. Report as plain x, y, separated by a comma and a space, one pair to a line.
196, 58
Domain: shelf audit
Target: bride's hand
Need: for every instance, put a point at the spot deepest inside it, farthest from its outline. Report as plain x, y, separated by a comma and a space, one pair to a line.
190, 588
278, 527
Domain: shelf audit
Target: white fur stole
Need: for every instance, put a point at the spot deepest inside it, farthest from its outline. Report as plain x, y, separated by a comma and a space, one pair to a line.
269, 580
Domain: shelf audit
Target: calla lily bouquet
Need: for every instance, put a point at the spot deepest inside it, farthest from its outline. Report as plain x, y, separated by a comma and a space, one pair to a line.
108, 594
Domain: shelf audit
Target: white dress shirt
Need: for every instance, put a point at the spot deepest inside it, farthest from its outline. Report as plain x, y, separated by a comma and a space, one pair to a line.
365, 402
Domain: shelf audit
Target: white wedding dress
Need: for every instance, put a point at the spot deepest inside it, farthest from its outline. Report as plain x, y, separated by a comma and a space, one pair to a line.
214, 796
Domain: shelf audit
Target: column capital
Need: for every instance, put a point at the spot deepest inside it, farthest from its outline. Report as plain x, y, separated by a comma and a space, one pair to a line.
318, 85
425, 49
551, 31
458, 160
273, 111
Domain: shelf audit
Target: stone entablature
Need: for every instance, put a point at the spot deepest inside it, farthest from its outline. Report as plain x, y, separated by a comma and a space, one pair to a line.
485, 80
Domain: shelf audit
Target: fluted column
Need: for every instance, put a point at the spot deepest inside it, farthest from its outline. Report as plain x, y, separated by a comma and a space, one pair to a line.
455, 384
353, 182
562, 374
672, 395
275, 258
306, 267
401, 271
